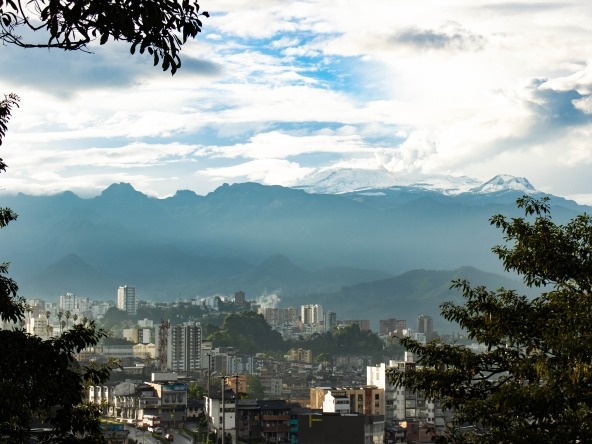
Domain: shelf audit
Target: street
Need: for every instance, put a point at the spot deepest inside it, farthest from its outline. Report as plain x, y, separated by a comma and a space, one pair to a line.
145, 437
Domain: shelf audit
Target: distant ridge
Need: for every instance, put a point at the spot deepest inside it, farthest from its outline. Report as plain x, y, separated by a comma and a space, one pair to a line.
252, 237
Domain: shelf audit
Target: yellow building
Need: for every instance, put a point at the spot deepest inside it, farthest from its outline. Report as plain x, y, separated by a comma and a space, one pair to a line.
300, 355
145, 351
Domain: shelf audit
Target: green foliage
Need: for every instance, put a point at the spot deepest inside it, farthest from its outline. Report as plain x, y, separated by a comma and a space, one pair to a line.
349, 340
183, 312
6, 106
195, 390
255, 388
533, 382
249, 332
159, 27
40, 380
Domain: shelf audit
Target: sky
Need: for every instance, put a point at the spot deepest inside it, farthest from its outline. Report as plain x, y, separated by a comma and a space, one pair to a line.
277, 91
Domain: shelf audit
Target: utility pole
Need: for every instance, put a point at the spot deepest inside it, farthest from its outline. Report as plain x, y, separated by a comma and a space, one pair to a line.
236, 408
223, 380
209, 371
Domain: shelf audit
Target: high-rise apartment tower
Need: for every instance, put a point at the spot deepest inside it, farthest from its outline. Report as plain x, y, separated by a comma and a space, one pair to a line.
126, 299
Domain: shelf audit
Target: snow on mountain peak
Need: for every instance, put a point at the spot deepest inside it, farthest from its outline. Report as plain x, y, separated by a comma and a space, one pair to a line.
340, 181
505, 182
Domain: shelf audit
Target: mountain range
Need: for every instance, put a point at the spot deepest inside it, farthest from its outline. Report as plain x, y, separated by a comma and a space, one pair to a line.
259, 239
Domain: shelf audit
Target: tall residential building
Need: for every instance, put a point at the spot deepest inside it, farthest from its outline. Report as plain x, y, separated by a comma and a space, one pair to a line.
239, 298
67, 302
280, 316
425, 325
126, 299
401, 403
311, 314
330, 320
394, 326
184, 347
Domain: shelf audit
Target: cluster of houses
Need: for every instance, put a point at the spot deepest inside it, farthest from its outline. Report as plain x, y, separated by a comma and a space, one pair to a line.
375, 412
300, 401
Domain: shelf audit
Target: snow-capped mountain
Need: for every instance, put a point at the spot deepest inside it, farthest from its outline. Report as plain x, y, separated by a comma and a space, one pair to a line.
345, 181
505, 182
358, 180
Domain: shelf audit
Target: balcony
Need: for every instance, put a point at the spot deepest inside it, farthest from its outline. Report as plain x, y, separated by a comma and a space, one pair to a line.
275, 417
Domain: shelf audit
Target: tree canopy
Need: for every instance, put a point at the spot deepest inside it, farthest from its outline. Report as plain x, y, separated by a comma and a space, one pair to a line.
249, 332
159, 27
347, 340
40, 380
534, 381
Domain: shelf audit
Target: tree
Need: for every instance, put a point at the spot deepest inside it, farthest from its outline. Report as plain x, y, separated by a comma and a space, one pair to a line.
195, 390
534, 382
40, 380
249, 332
160, 27
255, 389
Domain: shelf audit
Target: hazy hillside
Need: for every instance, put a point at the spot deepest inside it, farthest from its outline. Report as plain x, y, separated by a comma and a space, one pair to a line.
248, 236
407, 296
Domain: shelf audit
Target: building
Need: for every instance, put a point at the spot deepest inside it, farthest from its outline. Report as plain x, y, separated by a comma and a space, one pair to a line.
280, 316
311, 314
365, 400
182, 346
402, 404
330, 320
39, 327
335, 428
336, 401
172, 396
67, 302
145, 351
239, 298
275, 421
364, 324
300, 355
392, 327
221, 411
425, 325
126, 299
138, 335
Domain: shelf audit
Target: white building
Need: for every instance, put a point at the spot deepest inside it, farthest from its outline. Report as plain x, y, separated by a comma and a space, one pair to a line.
99, 309
67, 302
311, 314
126, 299
219, 420
180, 346
402, 404
336, 402
39, 327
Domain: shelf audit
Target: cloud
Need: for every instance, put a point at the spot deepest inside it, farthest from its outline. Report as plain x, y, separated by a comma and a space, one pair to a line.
450, 37
558, 103
279, 145
411, 155
266, 171
524, 7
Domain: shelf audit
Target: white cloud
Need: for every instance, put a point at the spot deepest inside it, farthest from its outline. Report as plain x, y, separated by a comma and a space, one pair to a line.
270, 91
266, 171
